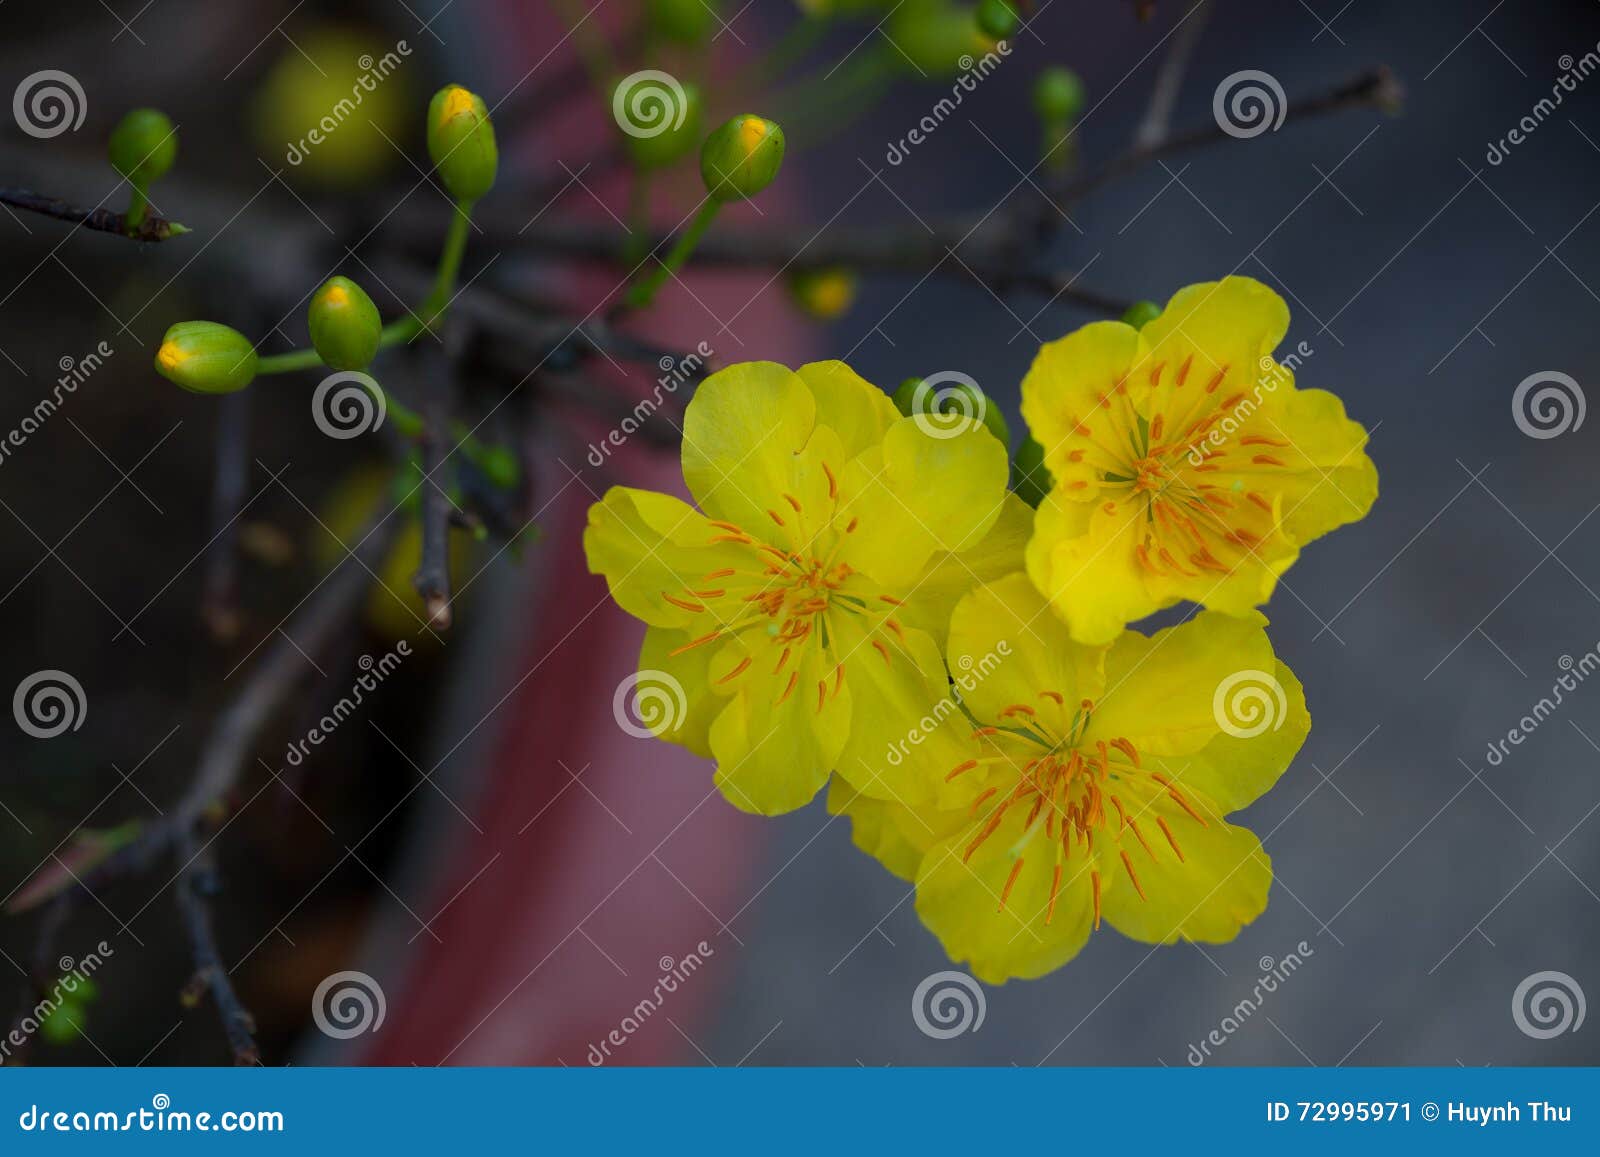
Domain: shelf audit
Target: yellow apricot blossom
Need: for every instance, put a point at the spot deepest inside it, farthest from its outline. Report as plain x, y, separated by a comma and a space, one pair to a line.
1097, 782
801, 609
1187, 465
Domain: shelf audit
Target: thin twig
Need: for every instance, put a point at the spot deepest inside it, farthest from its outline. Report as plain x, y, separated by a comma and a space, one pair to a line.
1157, 121
152, 228
432, 577
196, 884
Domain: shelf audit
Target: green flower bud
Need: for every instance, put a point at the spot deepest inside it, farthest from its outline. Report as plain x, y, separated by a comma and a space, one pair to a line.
1141, 314
143, 146
63, 1024
955, 395
825, 294
1030, 477
345, 326
671, 144
683, 21
461, 142
1058, 96
997, 19
206, 357
741, 158
934, 38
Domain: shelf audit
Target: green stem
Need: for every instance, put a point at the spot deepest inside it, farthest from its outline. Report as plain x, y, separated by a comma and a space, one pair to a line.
138, 202
638, 246
289, 362
644, 292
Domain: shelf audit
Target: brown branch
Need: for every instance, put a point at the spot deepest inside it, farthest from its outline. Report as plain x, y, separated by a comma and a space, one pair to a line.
432, 577
197, 882
152, 228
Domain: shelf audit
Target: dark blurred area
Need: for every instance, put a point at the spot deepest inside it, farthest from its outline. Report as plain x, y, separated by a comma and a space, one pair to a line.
1428, 282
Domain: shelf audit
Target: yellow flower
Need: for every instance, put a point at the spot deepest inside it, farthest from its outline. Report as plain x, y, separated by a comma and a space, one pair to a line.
802, 607
1097, 782
1186, 463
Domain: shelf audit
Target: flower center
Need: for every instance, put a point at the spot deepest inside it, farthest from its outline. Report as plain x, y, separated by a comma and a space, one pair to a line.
1067, 783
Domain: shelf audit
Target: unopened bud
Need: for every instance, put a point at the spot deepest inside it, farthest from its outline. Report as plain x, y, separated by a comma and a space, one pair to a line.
206, 357
143, 146
461, 142
741, 158
825, 294
345, 326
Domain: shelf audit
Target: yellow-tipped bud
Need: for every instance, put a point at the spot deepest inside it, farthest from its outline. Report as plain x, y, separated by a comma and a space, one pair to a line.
345, 326
461, 142
742, 157
206, 357
825, 294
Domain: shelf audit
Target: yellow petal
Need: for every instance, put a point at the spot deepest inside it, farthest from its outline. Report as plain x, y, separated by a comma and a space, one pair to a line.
1069, 388
1006, 648
1223, 325
1084, 559
856, 409
741, 432
773, 743
1161, 689
690, 727
931, 598
918, 494
1269, 724
894, 835
907, 730
1218, 887
653, 549
960, 901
